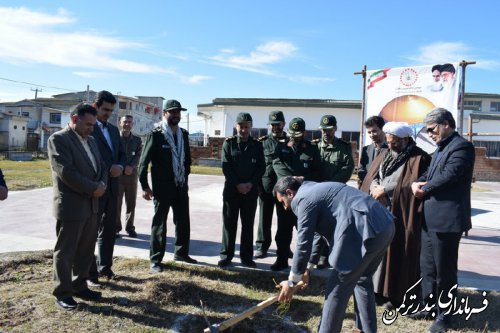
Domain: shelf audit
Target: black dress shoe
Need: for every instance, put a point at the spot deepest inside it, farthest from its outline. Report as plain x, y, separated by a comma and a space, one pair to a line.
94, 283
422, 315
108, 274
89, 295
156, 268
323, 263
260, 254
117, 236
185, 258
131, 233
279, 265
224, 262
67, 303
248, 263
439, 326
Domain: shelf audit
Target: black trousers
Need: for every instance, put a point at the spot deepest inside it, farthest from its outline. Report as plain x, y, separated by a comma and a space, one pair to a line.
180, 208
286, 221
438, 266
244, 205
266, 209
106, 234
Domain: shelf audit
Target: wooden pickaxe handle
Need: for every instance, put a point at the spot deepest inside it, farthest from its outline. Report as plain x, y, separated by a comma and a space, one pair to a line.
245, 314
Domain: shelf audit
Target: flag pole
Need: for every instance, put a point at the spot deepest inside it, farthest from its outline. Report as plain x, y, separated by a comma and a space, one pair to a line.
460, 128
361, 132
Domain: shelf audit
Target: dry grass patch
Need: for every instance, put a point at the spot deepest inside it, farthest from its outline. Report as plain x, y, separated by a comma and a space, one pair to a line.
170, 301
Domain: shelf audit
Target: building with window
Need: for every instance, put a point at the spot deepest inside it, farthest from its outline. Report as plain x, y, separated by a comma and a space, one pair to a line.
220, 115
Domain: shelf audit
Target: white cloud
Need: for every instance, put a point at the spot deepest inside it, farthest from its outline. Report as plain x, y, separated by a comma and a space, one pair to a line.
311, 79
195, 79
264, 55
440, 52
33, 37
91, 75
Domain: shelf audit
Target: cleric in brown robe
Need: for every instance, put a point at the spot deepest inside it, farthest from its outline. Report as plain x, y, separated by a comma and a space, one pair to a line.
389, 181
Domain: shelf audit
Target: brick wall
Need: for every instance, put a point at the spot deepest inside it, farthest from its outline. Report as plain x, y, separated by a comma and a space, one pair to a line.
213, 150
486, 168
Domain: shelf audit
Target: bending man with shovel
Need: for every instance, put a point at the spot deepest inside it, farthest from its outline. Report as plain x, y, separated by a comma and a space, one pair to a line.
358, 230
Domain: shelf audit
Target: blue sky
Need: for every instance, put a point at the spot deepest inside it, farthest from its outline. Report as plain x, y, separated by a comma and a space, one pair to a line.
195, 51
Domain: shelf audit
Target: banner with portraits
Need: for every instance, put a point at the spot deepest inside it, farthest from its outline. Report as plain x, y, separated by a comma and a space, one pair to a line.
407, 94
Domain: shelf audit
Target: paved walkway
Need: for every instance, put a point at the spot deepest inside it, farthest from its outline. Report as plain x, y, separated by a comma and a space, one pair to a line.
27, 224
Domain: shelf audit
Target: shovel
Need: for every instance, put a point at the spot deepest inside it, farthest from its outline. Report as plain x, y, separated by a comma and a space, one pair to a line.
215, 328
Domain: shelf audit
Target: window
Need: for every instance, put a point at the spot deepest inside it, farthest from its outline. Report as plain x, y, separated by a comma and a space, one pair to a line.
312, 135
495, 107
350, 137
122, 105
55, 118
217, 132
25, 114
472, 105
15, 126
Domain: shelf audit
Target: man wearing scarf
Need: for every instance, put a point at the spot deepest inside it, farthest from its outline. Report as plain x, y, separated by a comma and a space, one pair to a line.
389, 181
167, 149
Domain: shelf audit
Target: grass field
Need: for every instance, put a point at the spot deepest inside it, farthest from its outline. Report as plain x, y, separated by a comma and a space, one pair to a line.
27, 175
170, 301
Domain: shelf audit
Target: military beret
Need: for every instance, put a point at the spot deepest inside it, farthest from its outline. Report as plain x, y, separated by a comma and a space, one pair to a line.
276, 117
327, 122
243, 117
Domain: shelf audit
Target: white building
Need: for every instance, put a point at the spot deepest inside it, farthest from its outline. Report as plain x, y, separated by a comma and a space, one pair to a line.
220, 116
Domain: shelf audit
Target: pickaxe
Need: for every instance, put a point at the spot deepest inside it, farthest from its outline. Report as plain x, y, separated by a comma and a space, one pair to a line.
216, 328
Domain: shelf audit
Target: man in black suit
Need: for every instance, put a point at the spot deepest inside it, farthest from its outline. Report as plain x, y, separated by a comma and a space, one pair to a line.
4, 191
112, 152
445, 189
374, 127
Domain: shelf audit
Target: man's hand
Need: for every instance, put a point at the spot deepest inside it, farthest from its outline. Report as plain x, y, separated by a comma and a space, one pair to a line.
286, 293
101, 188
377, 192
3, 193
416, 188
244, 188
128, 170
116, 170
147, 194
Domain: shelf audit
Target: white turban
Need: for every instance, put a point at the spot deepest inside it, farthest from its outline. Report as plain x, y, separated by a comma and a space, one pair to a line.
401, 130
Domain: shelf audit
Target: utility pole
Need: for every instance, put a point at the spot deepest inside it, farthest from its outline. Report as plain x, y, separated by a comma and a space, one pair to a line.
88, 94
36, 91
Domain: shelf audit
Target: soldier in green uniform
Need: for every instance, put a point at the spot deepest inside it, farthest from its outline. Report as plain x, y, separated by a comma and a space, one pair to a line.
298, 157
337, 165
266, 199
243, 166
167, 149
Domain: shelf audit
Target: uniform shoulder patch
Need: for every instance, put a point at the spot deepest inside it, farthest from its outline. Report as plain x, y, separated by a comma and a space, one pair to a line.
229, 138
315, 141
157, 129
263, 138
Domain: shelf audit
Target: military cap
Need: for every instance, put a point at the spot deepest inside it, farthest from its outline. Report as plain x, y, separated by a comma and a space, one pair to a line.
172, 104
327, 122
276, 117
243, 117
296, 127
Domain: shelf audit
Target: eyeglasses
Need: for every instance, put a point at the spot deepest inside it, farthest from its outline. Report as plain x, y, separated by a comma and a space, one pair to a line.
432, 129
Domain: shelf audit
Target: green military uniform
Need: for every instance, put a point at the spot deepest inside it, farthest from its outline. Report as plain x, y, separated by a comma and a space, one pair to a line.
293, 159
337, 162
337, 165
167, 193
242, 162
266, 199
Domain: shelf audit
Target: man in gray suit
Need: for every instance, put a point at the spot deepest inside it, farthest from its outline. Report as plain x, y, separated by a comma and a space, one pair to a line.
358, 230
79, 178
